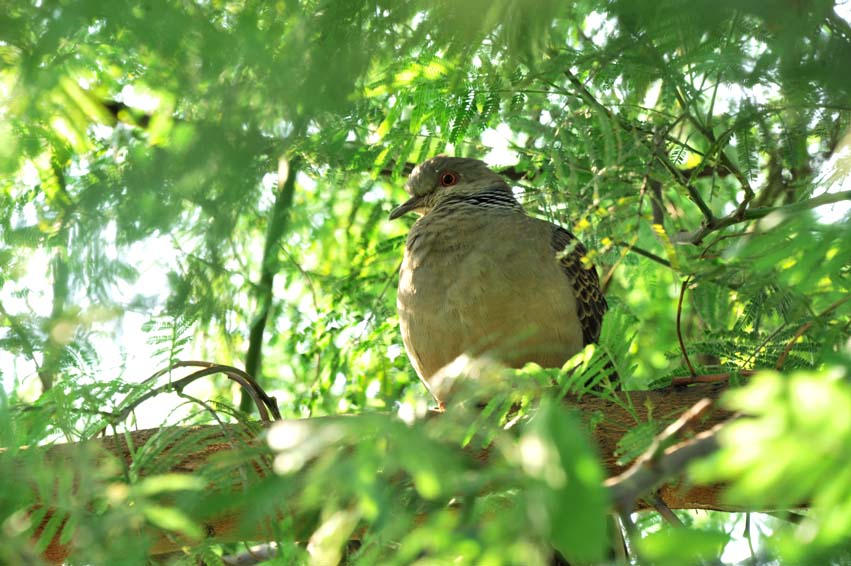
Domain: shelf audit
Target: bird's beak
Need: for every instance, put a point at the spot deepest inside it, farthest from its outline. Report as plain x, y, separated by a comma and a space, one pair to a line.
412, 203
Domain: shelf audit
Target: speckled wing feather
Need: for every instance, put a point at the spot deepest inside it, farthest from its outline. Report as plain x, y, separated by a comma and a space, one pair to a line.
590, 303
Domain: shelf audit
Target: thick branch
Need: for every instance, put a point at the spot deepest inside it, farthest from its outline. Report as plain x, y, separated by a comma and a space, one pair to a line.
200, 445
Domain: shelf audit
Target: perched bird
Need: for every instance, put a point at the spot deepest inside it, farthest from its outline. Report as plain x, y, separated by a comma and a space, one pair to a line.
480, 276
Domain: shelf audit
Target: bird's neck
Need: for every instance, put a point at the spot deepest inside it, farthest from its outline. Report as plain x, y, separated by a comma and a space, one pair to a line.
496, 197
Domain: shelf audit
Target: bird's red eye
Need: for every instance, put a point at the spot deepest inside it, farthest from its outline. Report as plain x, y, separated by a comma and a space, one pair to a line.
448, 179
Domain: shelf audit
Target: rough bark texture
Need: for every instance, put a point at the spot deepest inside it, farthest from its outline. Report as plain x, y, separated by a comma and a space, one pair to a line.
197, 445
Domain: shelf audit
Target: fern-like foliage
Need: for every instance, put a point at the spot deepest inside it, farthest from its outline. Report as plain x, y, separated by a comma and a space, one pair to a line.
224, 171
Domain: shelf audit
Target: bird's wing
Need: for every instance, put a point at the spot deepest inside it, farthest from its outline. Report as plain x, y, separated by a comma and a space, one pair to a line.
590, 303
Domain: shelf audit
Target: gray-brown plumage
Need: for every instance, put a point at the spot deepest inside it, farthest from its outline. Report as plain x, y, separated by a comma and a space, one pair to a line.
480, 276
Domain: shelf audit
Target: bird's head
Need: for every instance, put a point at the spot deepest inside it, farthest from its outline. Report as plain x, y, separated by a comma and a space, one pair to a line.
440, 177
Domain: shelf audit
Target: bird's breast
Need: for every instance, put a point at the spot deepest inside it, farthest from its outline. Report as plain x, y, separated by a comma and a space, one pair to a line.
475, 287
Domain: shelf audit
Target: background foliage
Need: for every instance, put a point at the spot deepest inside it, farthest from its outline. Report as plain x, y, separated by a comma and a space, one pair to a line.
212, 179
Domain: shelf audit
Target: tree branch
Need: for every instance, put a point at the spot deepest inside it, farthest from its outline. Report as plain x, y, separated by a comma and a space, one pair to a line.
278, 226
660, 461
198, 447
750, 214
626, 488
645, 253
249, 386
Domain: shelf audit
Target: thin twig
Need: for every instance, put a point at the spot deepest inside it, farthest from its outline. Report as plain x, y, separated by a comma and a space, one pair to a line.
664, 511
693, 193
644, 253
722, 157
675, 172
656, 200
803, 329
747, 536
619, 543
629, 526
243, 474
679, 325
252, 555
21, 332
788, 516
705, 253
265, 403
757, 213
764, 343
709, 378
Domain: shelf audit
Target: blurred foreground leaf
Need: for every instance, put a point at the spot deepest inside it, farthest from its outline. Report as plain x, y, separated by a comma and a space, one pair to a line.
792, 449
569, 488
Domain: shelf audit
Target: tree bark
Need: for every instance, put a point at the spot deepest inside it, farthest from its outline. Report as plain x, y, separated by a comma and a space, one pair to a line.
205, 442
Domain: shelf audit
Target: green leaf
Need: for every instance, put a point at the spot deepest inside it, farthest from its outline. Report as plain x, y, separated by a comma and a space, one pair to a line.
56, 520
69, 528
676, 547
172, 519
169, 482
569, 482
